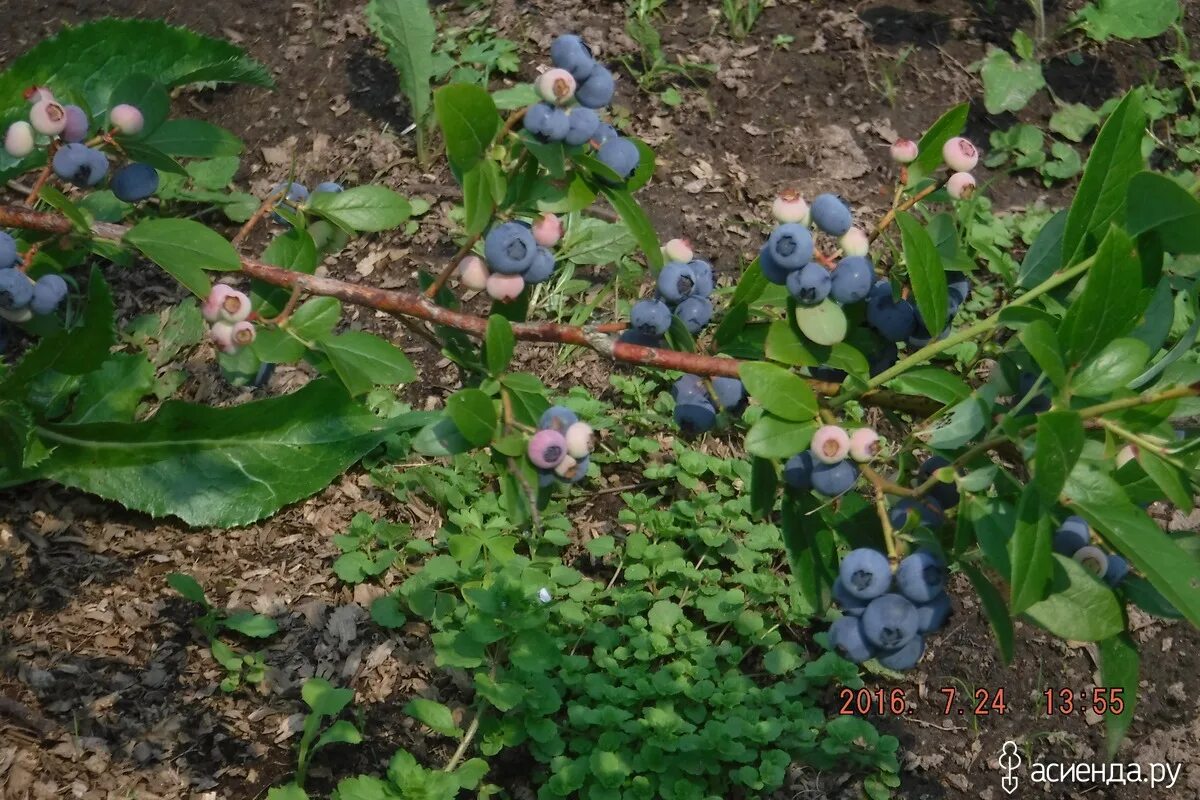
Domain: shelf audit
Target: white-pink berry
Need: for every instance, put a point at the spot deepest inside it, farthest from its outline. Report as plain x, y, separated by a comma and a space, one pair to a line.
904, 151
1125, 455
864, 444
18, 140
854, 242
547, 230
566, 468
222, 335
235, 307
961, 185
48, 117
505, 288
547, 449
127, 119
473, 273
212, 304
789, 206
579, 439
960, 154
555, 86
243, 333
678, 250
830, 444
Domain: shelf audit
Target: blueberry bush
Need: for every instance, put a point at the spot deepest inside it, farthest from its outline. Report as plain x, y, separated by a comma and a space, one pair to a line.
1026, 416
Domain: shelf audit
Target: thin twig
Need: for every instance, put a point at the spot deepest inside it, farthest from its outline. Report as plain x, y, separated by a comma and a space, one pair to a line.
268, 205
890, 217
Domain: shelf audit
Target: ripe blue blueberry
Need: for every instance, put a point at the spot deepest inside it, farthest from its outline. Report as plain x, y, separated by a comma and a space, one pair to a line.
928, 510
921, 576
542, 267
596, 90
80, 165
932, 616
650, 317
688, 387
582, 125
620, 155
8, 250
296, 193
865, 573
890, 621
883, 358
134, 182
903, 658
676, 282
703, 272
1118, 568
604, 133
509, 248
16, 290
1093, 559
557, 418
631, 336
921, 335
1039, 402
695, 416
328, 187
958, 286
1071, 535
547, 122
48, 292
770, 270
731, 393
694, 312
945, 493
570, 53
832, 480
831, 214
797, 472
809, 285
790, 245
846, 638
851, 279
578, 470
847, 602
894, 319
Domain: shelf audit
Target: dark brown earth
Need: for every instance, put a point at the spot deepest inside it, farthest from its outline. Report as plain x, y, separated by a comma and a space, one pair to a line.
105, 689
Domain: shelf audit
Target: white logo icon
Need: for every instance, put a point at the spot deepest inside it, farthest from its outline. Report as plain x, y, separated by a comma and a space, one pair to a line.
1009, 760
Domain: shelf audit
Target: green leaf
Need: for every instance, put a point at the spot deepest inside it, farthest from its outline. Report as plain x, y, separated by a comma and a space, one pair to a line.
1059, 444
250, 624
1168, 478
664, 616
434, 715
1110, 369
993, 607
340, 732
387, 612
138, 150
1074, 121
772, 437
289, 792
474, 414
363, 787
324, 698
1119, 667
639, 224
187, 586
441, 437
1079, 607
1157, 203
499, 344
932, 382
193, 138
61, 203
221, 466
1045, 255
147, 95
1029, 552
1109, 305
514, 97
812, 553
469, 121
1128, 19
1008, 85
1042, 343
780, 391
407, 31
609, 768
478, 201
763, 482
364, 361
925, 272
783, 658
363, 208
784, 345
750, 285
112, 392
1116, 158
315, 318
929, 149
504, 696
184, 248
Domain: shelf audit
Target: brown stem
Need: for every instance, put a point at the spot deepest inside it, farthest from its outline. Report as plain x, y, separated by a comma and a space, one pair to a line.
513, 120
43, 176
288, 308
27, 259
451, 265
890, 217
268, 205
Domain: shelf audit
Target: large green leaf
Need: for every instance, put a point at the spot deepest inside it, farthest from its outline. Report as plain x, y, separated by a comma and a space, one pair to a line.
925, 272
772, 437
499, 344
1042, 343
1119, 666
779, 391
932, 382
1079, 606
184, 248
1045, 255
1109, 305
474, 413
85, 63
193, 138
1115, 159
639, 224
812, 552
363, 208
929, 156
1157, 203
407, 31
1110, 369
1029, 552
436, 715
221, 466
469, 121
1059, 443
362, 360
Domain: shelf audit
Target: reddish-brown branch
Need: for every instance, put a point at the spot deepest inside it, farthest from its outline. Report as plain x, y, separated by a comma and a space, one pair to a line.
43, 176
890, 217
267, 206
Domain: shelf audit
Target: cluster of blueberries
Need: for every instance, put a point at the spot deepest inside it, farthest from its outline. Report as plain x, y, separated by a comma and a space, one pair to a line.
684, 286
696, 407
515, 253
1073, 540
888, 617
576, 76
787, 257
828, 466
562, 447
21, 296
227, 312
297, 193
66, 127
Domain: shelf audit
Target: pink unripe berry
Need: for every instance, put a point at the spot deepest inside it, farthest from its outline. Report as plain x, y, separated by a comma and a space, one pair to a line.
1125, 455
127, 119
243, 334
48, 117
505, 288
789, 206
222, 335
904, 151
212, 304
235, 307
547, 449
555, 86
678, 250
547, 230
961, 185
567, 468
864, 444
830, 444
579, 440
473, 273
18, 141
960, 155
854, 242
